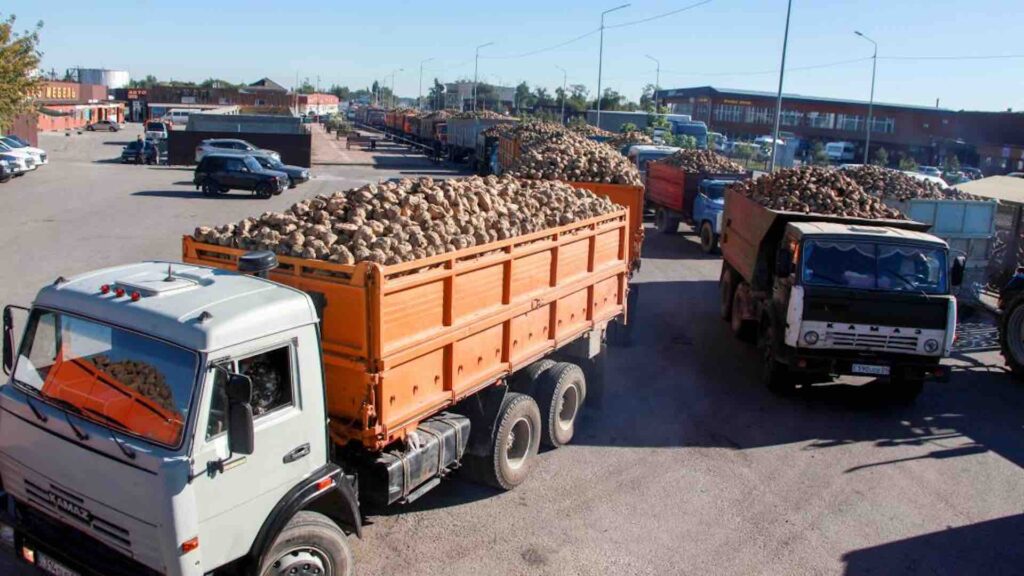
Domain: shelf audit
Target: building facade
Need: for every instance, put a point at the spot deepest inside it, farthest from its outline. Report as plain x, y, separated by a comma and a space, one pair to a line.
317, 103
993, 141
145, 103
73, 106
459, 96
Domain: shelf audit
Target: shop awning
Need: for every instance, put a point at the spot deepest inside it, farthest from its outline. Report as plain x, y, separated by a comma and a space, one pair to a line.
52, 112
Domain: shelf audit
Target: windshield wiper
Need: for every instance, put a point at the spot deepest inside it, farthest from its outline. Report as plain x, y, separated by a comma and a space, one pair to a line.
69, 407
28, 400
125, 449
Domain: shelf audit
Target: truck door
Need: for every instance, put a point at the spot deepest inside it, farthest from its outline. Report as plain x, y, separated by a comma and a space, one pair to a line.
235, 493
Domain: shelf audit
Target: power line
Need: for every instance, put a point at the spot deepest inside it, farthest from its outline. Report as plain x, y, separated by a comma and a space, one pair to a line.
542, 50
775, 71
659, 16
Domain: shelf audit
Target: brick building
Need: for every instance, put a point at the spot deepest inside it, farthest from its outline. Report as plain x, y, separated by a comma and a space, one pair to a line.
993, 141
66, 106
145, 103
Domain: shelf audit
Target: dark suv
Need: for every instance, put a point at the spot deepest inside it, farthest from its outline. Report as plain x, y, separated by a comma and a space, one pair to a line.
218, 173
139, 152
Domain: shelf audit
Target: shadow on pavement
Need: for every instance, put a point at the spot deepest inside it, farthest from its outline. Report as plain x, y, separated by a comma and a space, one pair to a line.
683, 245
117, 143
687, 382
240, 195
991, 547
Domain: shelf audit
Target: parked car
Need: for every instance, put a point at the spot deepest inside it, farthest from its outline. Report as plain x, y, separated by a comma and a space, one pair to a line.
296, 174
929, 171
140, 152
38, 154
1016, 174
231, 146
18, 165
928, 178
29, 160
218, 173
972, 173
107, 125
156, 130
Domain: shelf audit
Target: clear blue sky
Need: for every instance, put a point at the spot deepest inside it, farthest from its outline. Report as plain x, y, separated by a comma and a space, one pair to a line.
725, 43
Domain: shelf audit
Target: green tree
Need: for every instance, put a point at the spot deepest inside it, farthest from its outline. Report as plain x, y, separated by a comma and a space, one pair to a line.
306, 87
524, 98
818, 155
577, 98
148, 82
19, 59
688, 142
342, 92
628, 127
542, 98
611, 100
881, 157
647, 98
435, 96
907, 162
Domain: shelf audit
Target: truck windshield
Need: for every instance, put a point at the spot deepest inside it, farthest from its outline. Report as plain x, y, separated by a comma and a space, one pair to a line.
119, 379
875, 266
715, 190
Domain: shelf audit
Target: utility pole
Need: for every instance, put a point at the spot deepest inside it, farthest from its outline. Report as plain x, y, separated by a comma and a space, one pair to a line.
657, 82
419, 97
476, 69
393, 72
600, 60
871, 103
565, 78
778, 103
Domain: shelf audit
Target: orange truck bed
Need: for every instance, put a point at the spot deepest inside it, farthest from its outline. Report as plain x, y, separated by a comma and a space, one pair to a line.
406, 341
630, 197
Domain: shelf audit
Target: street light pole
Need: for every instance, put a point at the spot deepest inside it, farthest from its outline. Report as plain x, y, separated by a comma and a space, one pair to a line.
565, 78
600, 60
393, 72
778, 103
419, 97
476, 70
657, 80
871, 103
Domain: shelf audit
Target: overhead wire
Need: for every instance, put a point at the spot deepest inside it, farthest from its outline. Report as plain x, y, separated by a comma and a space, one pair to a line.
659, 16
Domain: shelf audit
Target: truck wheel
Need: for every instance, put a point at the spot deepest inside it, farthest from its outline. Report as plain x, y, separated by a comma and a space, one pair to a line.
774, 374
665, 223
744, 330
1011, 336
725, 292
309, 544
525, 381
560, 393
906, 390
708, 239
515, 443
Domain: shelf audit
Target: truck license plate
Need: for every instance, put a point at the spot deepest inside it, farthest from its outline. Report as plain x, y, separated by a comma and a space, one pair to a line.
870, 369
51, 566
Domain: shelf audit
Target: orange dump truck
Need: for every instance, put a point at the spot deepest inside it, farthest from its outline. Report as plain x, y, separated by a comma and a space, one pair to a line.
403, 343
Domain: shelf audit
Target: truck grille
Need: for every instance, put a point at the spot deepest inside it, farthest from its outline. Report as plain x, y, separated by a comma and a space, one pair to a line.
63, 503
880, 342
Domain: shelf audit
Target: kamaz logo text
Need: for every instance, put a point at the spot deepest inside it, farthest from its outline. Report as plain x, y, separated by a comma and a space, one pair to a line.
68, 507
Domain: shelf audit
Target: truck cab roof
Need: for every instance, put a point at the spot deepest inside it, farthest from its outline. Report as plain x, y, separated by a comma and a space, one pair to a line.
860, 230
196, 307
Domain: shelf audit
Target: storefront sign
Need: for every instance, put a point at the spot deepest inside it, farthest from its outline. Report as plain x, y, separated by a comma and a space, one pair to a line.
737, 102
58, 91
136, 93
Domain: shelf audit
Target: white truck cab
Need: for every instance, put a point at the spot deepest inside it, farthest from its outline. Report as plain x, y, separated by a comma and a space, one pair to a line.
138, 399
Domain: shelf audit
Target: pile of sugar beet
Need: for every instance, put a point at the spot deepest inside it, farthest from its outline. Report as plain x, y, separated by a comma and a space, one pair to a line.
394, 222
859, 192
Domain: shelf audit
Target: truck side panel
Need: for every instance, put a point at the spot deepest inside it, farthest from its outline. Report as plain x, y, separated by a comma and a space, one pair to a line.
665, 186
402, 342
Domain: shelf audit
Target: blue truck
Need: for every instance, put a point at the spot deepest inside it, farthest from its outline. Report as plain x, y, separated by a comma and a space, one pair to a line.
697, 199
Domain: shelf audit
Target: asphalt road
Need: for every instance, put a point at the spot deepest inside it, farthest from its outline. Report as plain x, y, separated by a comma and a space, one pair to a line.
690, 466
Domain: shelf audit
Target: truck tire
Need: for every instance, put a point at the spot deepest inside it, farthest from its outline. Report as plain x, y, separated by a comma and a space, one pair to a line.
665, 223
560, 393
525, 381
708, 239
515, 443
774, 374
308, 543
744, 330
1011, 336
726, 287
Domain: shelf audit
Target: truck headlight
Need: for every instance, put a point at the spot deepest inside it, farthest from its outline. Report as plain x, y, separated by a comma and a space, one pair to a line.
931, 345
811, 337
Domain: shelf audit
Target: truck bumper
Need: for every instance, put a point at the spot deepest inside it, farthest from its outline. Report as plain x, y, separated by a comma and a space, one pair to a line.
840, 364
35, 539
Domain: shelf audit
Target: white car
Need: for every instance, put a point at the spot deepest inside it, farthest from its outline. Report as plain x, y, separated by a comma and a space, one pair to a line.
18, 165
156, 130
17, 143
231, 146
924, 177
31, 160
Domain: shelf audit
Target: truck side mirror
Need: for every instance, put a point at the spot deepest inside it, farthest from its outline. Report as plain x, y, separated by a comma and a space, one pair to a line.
240, 417
8, 340
783, 262
957, 273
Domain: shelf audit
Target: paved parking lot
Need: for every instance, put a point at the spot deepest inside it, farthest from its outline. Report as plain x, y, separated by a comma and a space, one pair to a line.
689, 468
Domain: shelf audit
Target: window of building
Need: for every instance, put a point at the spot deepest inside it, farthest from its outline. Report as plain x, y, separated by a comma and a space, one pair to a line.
791, 118
850, 122
759, 115
883, 125
825, 120
684, 108
729, 113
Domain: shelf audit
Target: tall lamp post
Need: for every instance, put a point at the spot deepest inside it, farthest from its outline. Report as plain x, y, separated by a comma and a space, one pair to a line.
600, 60
476, 69
393, 72
778, 102
419, 97
871, 103
565, 78
657, 80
